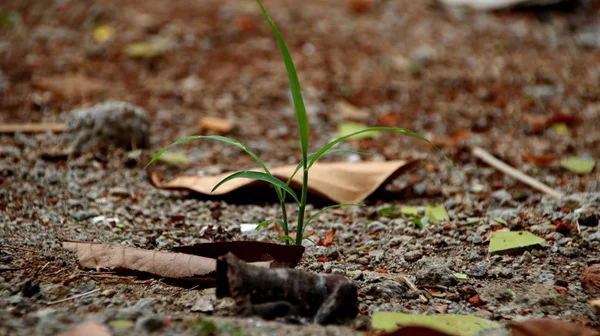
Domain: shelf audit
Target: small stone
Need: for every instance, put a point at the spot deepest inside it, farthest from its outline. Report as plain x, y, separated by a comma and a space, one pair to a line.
117, 123
412, 256
435, 273
387, 289
501, 272
377, 226
119, 191
479, 270
108, 293
570, 252
149, 324
423, 55
85, 214
502, 196
356, 275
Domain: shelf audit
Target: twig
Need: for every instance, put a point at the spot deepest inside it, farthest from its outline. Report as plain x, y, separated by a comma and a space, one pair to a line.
512, 172
414, 288
73, 297
32, 128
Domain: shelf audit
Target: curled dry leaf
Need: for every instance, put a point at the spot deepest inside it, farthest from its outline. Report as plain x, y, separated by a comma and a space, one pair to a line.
329, 238
340, 182
543, 327
196, 262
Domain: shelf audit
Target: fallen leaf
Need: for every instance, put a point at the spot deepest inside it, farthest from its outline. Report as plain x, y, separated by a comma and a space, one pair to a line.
436, 213
340, 182
121, 324
476, 301
329, 238
249, 251
32, 128
89, 328
199, 264
214, 124
509, 242
543, 327
142, 50
410, 211
103, 33
452, 324
591, 280
543, 160
578, 165
349, 127
350, 111
279, 229
175, 159
461, 276
203, 304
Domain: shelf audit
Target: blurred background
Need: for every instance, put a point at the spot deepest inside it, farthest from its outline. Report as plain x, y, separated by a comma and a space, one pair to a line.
521, 81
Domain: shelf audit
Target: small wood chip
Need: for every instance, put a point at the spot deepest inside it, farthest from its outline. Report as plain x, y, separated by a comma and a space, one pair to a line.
217, 125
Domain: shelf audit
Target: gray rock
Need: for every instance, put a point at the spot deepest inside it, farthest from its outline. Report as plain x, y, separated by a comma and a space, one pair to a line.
377, 226
387, 289
147, 324
85, 214
570, 252
479, 270
115, 123
119, 191
435, 273
412, 256
501, 272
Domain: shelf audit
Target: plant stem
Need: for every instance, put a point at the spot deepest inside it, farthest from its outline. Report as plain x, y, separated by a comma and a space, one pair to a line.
300, 228
284, 219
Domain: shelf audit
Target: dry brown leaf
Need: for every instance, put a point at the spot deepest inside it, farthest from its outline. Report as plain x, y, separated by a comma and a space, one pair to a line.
329, 238
543, 327
591, 280
32, 128
278, 229
341, 182
161, 263
214, 124
72, 86
89, 328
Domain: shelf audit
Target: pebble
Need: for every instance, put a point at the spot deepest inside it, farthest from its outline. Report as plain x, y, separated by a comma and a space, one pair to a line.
85, 214
479, 270
570, 252
386, 290
119, 191
377, 226
435, 273
117, 123
412, 256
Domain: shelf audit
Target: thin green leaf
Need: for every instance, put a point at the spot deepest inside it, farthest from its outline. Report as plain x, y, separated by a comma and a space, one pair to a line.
213, 137
259, 176
267, 221
331, 207
322, 151
294, 84
286, 239
330, 151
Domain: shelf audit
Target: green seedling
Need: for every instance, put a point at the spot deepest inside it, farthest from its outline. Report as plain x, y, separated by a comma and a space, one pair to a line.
282, 189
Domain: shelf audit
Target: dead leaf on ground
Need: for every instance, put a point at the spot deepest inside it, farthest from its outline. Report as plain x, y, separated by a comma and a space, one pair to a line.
539, 160
591, 280
214, 124
329, 238
32, 128
198, 264
341, 182
543, 327
89, 328
72, 87
249, 251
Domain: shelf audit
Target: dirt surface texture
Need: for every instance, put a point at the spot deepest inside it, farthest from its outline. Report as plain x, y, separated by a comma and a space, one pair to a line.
523, 84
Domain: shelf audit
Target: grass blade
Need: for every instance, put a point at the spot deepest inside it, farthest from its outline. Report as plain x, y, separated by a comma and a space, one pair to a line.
213, 137
261, 177
294, 83
329, 208
323, 150
329, 151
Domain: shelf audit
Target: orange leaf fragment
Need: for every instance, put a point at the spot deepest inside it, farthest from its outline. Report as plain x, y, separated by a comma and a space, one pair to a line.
214, 124
329, 238
544, 327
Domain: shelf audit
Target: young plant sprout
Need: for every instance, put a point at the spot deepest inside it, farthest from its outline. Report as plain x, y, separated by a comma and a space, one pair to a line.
282, 189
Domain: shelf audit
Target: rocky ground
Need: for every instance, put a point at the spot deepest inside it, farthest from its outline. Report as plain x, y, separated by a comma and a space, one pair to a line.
459, 77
